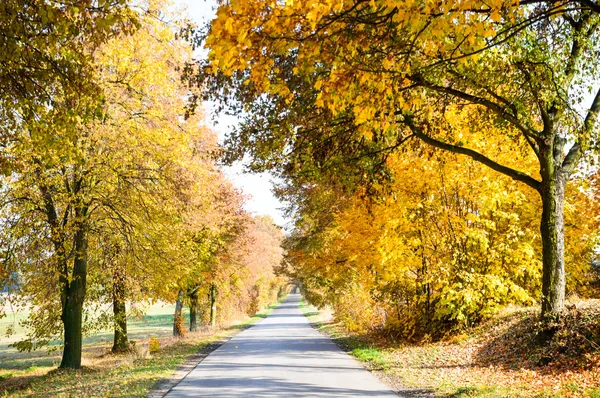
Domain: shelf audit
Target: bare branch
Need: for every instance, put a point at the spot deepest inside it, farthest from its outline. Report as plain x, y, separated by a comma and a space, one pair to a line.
571, 159
592, 117
575, 153
594, 6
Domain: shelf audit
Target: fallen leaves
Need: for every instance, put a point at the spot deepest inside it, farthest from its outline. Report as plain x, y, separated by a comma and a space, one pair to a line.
500, 358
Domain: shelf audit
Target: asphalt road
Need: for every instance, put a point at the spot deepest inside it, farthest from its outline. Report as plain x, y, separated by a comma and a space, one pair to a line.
282, 356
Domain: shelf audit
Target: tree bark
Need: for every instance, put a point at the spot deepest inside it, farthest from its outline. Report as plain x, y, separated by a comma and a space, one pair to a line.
555, 172
213, 305
552, 228
120, 341
73, 298
194, 311
177, 319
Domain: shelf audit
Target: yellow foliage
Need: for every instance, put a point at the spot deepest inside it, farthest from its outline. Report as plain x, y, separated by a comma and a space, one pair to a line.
153, 345
451, 245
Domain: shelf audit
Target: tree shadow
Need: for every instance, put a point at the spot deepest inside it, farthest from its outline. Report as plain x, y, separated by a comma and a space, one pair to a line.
523, 342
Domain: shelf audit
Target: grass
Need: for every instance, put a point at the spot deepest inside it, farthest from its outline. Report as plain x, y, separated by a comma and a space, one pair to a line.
365, 352
372, 355
104, 374
156, 323
498, 359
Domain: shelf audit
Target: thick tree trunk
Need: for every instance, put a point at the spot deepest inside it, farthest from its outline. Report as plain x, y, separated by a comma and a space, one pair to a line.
177, 319
553, 247
72, 309
213, 305
194, 311
120, 342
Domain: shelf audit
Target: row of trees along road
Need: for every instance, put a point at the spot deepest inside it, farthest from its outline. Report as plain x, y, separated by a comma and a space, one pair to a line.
330, 90
109, 194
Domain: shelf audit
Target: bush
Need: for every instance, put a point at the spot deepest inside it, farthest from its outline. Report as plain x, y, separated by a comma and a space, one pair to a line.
153, 345
180, 326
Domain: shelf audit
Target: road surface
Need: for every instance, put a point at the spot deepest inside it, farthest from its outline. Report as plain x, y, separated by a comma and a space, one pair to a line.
282, 356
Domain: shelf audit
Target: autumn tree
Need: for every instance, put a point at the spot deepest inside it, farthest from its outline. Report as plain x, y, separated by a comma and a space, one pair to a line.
339, 85
250, 283
211, 225
45, 56
262, 259
233, 262
81, 173
447, 247
145, 94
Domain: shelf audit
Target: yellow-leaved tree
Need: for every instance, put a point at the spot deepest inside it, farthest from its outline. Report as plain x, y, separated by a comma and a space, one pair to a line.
93, 207
329, 89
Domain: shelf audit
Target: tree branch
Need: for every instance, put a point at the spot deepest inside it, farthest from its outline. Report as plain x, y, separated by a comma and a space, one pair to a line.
494, 107
571, 159
592, 116
590, 122
594, 6
512, 173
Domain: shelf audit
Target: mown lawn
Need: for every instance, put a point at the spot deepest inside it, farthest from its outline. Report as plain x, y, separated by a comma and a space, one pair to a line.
105, 374
498, 359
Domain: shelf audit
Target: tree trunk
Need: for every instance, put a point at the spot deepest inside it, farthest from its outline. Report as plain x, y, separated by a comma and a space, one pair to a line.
213, 305
177, 319
194, 311
120, 342
72, 308
555, 173
553, 246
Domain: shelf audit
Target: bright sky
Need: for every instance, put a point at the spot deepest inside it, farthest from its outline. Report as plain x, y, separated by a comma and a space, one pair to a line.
257, 186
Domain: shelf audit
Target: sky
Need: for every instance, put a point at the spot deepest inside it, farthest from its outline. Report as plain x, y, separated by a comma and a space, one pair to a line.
257, 187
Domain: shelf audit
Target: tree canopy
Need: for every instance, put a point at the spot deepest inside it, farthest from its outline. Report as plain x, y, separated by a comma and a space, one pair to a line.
111, 196
330, 89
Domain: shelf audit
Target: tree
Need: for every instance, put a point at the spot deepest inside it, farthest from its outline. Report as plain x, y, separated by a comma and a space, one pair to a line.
46, 49
122, 169
232, 261
145, 95
447, 247
341, 83
213, 220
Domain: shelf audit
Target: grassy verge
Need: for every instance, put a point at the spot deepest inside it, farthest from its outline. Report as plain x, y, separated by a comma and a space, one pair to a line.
498, 359
107, 375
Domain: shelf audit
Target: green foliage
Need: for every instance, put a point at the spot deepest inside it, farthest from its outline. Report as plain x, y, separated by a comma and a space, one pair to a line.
594, 393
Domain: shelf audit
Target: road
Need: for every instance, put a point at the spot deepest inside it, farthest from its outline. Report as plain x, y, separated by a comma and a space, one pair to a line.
282, 356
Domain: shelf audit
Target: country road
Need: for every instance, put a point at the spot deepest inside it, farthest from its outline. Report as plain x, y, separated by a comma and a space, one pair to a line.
282, 356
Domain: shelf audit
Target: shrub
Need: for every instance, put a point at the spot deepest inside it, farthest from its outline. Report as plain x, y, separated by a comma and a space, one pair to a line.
180, 325
153, 345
